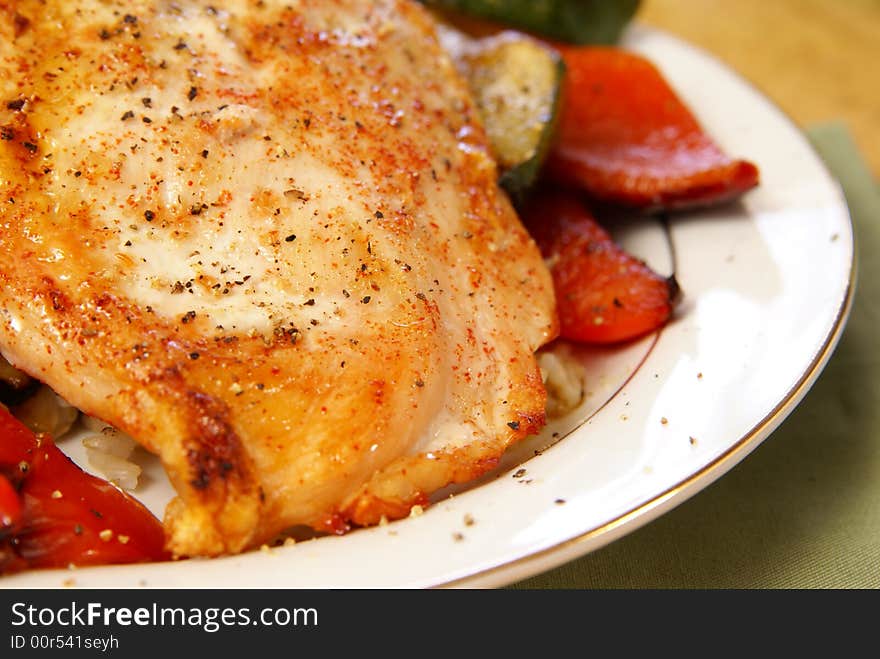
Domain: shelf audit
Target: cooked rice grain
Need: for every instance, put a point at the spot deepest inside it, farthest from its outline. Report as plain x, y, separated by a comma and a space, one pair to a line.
564, 378
108, 451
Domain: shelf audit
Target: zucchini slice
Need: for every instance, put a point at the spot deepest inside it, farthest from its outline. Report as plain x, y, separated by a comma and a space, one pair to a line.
516, 83
572, 21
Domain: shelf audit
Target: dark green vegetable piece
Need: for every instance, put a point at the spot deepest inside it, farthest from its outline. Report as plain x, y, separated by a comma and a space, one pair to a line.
516, 83
571, 21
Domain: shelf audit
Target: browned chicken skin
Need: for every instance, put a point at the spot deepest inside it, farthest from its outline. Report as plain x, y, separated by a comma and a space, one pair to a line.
265, 240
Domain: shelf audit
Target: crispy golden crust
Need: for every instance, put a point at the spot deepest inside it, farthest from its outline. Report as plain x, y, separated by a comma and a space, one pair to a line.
266, 241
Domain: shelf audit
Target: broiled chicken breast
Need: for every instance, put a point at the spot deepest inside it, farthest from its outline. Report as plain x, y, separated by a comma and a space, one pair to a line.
265, 239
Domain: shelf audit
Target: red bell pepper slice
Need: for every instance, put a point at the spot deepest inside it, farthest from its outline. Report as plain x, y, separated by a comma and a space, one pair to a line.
604, 295
10, 505
53, 514
626, 137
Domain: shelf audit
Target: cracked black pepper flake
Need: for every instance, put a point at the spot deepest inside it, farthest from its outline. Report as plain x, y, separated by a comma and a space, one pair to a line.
194, 355
131, 20
146, 120
379, 215
290, 238
21, 24
519, 473
30, 146
128, 115
149, 216
104, 34
180, 45
366, 299
193, 92
513, 425
205, 153
15, 105
296, 193
147, 101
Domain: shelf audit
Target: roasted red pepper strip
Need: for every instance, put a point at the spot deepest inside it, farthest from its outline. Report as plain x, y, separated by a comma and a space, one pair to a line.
64, 515
10, 505
604, 294
626, 137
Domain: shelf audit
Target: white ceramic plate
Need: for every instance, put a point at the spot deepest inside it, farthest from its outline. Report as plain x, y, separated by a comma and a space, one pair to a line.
767, 284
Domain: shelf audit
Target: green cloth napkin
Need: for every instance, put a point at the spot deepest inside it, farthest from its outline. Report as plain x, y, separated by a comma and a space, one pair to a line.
803, 510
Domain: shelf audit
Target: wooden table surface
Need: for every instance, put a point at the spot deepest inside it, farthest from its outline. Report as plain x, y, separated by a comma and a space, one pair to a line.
816, 59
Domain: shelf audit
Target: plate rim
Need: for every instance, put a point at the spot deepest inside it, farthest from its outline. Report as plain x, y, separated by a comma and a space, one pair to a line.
530, 564
625, 523
677, 494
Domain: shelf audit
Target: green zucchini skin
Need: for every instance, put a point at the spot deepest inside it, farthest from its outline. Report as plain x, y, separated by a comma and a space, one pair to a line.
520, 178
516, 82
570, 21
